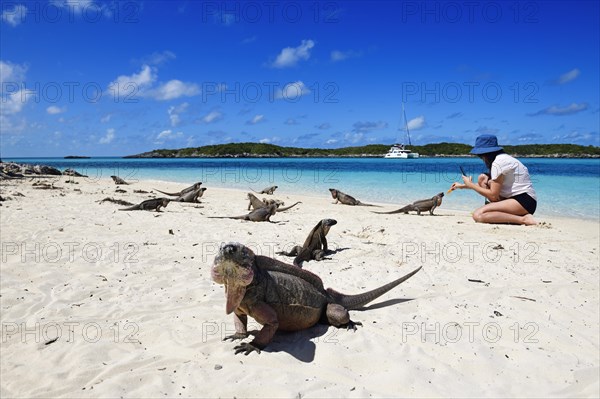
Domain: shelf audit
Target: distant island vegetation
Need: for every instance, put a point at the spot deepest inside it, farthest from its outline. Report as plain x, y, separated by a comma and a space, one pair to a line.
263, 150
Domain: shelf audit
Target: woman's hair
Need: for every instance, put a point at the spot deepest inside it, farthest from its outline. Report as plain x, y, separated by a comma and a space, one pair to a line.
489, 158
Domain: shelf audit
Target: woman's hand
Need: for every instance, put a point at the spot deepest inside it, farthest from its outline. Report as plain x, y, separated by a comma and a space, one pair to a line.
455, 186
468, 181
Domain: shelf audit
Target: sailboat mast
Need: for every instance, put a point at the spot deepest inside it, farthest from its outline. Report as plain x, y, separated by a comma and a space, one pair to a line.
406, 125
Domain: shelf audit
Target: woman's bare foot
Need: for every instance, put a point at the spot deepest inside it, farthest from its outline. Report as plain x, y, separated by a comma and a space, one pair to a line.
528, 220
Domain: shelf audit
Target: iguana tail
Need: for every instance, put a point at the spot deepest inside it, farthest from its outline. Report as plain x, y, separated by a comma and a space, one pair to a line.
363, 204
353, 302
131, 208
172, 194
401, 210
228, 217
288, 207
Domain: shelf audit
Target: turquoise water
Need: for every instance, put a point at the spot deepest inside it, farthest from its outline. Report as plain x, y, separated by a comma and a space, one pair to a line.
565, 187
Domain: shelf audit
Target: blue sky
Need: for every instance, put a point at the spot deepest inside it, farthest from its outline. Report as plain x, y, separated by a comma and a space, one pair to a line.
116, 78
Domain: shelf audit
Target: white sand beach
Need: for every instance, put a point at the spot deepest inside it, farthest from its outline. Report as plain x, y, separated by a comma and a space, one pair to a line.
101, 303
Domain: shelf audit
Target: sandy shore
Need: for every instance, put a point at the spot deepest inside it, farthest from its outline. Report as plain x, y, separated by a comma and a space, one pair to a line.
101, 303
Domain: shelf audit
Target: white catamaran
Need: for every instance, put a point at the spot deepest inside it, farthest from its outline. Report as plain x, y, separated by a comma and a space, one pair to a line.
400, 151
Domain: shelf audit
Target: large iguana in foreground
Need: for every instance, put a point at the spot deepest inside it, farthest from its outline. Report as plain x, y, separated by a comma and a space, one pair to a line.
281, 296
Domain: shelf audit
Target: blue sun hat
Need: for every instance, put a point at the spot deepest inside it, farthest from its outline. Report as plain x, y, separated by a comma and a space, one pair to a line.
485, 143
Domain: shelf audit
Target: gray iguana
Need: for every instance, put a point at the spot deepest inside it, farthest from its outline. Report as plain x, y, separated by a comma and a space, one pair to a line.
420, 206
281, 296
315, 245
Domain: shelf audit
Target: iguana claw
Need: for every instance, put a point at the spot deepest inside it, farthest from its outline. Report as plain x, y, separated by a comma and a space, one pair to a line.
352, 325
235, 336
246, 348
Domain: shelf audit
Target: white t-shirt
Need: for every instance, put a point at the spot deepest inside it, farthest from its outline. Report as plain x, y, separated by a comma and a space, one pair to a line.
516, 176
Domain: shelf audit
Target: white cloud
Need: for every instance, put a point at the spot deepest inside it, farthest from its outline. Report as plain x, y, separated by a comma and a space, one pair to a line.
11, 126
366, 127
173, 89
158, 58
167, 135
568, 77
54, 110
108, 137
14, 102
14, 16
212, 116
175, 111
106, 118
264, 141
290, 56
556, 110
249, 40
291, 121
143, 84
416, 123
77, 6
126, 86
337, 55
331, 141
11, 73
255, 120
354, 137
292, 91
323, 126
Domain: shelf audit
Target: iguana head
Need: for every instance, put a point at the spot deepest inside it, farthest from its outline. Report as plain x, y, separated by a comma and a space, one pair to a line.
197, 185
333, 192
327, 223
165, 202
234, 268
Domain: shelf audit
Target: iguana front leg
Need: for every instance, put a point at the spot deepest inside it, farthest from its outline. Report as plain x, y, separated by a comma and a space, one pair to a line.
240, 321
432, 209
265, 315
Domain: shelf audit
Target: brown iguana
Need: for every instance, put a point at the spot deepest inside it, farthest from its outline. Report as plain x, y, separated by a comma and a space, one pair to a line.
420, 206
191, 188
268, 190
148, 205
346, 199
281, 296
315, 245
118, 180
255, 203
257, 215
191, 196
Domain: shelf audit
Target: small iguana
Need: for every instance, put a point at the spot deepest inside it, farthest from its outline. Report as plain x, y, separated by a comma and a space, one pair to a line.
257, 215
255, 203
186, 190
148, 205
268, 190
118, 180
281, 296
420, 206
315, 245
191, 196
346, 199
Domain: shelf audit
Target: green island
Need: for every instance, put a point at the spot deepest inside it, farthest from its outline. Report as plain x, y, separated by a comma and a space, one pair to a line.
263, 150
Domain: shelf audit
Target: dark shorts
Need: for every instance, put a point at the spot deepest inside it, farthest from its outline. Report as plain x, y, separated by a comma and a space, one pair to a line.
526, 202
